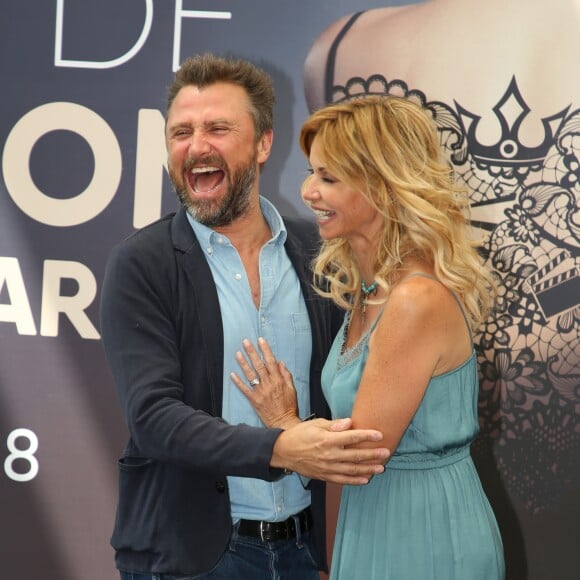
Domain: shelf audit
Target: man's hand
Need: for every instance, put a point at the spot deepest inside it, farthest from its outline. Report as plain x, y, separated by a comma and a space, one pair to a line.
319, 449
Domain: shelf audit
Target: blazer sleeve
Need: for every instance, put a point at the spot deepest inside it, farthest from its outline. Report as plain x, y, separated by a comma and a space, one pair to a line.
164, 392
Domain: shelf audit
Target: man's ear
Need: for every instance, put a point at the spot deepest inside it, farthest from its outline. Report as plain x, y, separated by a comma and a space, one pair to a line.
265, 146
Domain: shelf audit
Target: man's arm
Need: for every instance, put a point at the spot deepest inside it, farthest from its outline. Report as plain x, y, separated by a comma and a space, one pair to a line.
165, 393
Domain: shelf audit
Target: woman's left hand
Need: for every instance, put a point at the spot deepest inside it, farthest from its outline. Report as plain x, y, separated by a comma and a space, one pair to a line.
271, 388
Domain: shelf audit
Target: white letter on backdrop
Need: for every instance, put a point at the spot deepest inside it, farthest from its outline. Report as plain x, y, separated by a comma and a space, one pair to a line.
18, 311
150, 162
59, 61
106, 177
179, 14
73, 306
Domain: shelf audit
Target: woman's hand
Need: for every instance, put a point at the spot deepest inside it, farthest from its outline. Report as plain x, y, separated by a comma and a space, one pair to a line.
271, 388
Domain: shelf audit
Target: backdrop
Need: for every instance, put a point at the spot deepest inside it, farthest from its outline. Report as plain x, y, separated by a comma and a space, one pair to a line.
83, 165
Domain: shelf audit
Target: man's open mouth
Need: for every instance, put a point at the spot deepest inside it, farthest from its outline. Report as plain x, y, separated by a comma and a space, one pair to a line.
205, 179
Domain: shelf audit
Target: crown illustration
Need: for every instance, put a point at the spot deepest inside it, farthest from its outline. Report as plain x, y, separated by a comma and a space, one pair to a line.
510, 111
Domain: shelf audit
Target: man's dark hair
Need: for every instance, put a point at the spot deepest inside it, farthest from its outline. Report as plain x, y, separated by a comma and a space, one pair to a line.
208, 69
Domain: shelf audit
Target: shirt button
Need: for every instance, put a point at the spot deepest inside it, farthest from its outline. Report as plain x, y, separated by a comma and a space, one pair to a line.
220, 240
209, 250
238, 276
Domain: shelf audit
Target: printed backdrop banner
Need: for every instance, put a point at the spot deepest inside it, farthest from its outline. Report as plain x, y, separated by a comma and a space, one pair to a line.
84, 165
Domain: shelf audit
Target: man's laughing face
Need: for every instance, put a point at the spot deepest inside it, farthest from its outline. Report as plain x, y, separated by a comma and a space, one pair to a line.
213, 153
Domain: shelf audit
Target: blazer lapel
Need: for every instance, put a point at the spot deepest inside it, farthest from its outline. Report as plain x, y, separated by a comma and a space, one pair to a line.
207, 307
301, 258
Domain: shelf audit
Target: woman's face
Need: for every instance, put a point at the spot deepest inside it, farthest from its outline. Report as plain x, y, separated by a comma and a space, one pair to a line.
340, 210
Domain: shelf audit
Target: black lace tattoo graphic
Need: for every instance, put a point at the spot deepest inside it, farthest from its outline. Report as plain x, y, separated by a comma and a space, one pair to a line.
526, 202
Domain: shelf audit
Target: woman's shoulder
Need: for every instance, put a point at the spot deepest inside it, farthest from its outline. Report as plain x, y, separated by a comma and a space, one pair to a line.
429, 315
419, 295
316, 63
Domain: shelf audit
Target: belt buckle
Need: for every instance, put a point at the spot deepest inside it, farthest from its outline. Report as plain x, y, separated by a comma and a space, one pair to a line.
262, 531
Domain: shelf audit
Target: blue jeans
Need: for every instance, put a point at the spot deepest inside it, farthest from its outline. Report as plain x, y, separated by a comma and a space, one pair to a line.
251, 559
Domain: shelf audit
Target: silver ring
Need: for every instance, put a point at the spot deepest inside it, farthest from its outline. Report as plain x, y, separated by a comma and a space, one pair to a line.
254, 382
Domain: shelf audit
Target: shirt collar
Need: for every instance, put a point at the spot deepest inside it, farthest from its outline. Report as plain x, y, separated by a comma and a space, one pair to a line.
207, 235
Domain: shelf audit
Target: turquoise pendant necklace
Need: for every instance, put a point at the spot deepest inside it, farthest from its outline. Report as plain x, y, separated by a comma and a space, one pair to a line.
366, 291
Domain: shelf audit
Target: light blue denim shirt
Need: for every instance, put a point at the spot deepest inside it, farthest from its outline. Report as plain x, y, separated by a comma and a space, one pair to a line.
282, 320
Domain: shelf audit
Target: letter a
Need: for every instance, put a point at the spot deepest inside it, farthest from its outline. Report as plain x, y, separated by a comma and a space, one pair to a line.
18, 311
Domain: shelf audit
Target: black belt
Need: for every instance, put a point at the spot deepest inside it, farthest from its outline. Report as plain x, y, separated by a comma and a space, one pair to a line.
271, 531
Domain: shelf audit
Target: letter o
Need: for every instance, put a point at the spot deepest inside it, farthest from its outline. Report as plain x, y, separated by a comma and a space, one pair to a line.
106, 176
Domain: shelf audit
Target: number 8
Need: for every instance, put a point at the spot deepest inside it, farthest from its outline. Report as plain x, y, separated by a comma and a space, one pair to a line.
26, 454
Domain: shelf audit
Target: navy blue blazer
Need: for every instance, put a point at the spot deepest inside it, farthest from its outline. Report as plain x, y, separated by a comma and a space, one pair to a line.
163, 336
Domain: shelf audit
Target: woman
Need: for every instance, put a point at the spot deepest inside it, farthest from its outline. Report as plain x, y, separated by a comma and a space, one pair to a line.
397, 257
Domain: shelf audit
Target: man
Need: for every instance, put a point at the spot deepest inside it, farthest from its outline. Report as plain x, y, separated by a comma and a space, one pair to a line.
205, 490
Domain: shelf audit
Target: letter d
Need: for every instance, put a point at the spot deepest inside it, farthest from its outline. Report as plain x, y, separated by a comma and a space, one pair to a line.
59, 61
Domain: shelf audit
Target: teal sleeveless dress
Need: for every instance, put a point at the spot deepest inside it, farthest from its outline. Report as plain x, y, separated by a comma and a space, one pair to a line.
426, 517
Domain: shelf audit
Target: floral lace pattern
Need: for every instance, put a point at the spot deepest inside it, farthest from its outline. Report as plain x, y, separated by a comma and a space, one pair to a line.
529, 349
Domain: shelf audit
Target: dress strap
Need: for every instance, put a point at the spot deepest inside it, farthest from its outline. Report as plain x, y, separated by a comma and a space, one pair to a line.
331, 60
376, 320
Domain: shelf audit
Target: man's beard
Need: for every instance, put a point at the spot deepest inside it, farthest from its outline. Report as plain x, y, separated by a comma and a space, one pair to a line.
212, 213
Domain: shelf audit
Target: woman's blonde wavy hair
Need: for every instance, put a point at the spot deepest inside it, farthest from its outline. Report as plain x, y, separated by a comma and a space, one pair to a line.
387, 148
